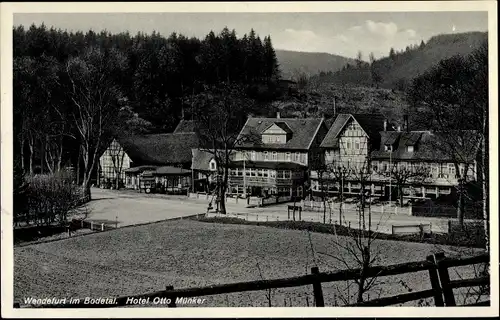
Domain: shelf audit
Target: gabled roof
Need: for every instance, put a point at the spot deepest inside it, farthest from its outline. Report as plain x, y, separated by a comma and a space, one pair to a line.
282, 125
185, 126
201, 159
370, 123
429, 146
302, 130
160, 149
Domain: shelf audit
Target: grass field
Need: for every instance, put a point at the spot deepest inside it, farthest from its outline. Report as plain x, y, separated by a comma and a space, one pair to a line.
187, 253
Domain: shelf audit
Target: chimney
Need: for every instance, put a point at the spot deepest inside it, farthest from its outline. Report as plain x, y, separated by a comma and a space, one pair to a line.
277, 115
385, 124
405, 120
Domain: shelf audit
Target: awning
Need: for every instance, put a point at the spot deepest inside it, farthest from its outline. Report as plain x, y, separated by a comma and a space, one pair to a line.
139, 169
171, 171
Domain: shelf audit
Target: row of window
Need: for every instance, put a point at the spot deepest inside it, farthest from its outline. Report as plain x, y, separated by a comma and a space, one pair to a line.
436, 170
264, 173
388, 147
274, 138
273, 156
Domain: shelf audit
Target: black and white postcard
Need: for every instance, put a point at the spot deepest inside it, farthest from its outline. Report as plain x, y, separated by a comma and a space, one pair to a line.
248, 159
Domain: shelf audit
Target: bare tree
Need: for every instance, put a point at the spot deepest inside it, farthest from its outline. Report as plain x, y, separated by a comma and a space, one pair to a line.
453, 99
220, 113
96, 102
357, 251
405, 174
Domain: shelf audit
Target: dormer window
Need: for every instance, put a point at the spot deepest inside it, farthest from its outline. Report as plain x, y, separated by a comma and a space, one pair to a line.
213, 165
388, 147
277, 133
410, 148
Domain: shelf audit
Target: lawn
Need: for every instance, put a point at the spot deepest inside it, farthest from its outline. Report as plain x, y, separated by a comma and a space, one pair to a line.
188, 253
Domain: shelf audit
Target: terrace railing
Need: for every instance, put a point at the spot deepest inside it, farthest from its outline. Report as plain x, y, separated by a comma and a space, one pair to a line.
437, 266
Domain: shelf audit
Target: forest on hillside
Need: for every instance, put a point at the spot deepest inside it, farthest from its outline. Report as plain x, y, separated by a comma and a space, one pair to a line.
397, 70
142, 82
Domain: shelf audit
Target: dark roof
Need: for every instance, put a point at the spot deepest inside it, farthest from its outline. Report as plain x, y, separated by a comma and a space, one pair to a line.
268, 165
330, 140
372, 124
303, 132
428, 146
389, 137
139, 169
283, 126
169, 170
160, 149
185, 126
201, 159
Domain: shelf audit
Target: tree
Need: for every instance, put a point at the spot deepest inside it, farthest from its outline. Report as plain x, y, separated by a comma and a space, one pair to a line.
405, 174
392, 54
359, 59
96, 102
220, 112
271, 61
358, 249
375, 73
453, 99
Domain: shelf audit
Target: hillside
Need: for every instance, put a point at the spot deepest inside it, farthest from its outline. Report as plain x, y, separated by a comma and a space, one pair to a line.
398, 70
310, 63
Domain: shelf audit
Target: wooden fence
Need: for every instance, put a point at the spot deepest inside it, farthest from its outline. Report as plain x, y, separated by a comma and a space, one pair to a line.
437, 266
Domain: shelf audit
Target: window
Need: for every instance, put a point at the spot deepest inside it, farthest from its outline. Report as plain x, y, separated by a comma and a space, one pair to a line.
253, 155
409, 148
265, 173
287, 174
213, 165
451, 169
275, 155
272, 173
248, 172
388, 147
297, 156
375, 166
253, 172
278, 140
288, 156
357, 145
348, 145
239, 172
266, 155
259, 172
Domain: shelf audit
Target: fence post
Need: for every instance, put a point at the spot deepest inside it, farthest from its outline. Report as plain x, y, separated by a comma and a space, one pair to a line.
91, 226
433, 275
318, 291
102, 226
288, 212
300, 213
444, 277
172, 299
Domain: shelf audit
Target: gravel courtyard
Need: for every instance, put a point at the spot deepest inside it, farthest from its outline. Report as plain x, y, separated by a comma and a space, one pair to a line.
187, 253
131, 208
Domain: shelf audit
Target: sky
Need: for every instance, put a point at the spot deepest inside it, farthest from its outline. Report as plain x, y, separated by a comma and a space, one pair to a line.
341, 33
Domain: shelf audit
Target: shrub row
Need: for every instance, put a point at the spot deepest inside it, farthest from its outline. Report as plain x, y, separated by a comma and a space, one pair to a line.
464, 238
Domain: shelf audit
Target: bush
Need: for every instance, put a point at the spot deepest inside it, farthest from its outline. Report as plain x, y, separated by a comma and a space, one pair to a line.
50, 198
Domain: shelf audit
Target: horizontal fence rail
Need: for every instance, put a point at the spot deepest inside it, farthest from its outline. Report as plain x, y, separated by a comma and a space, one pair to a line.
433, 263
